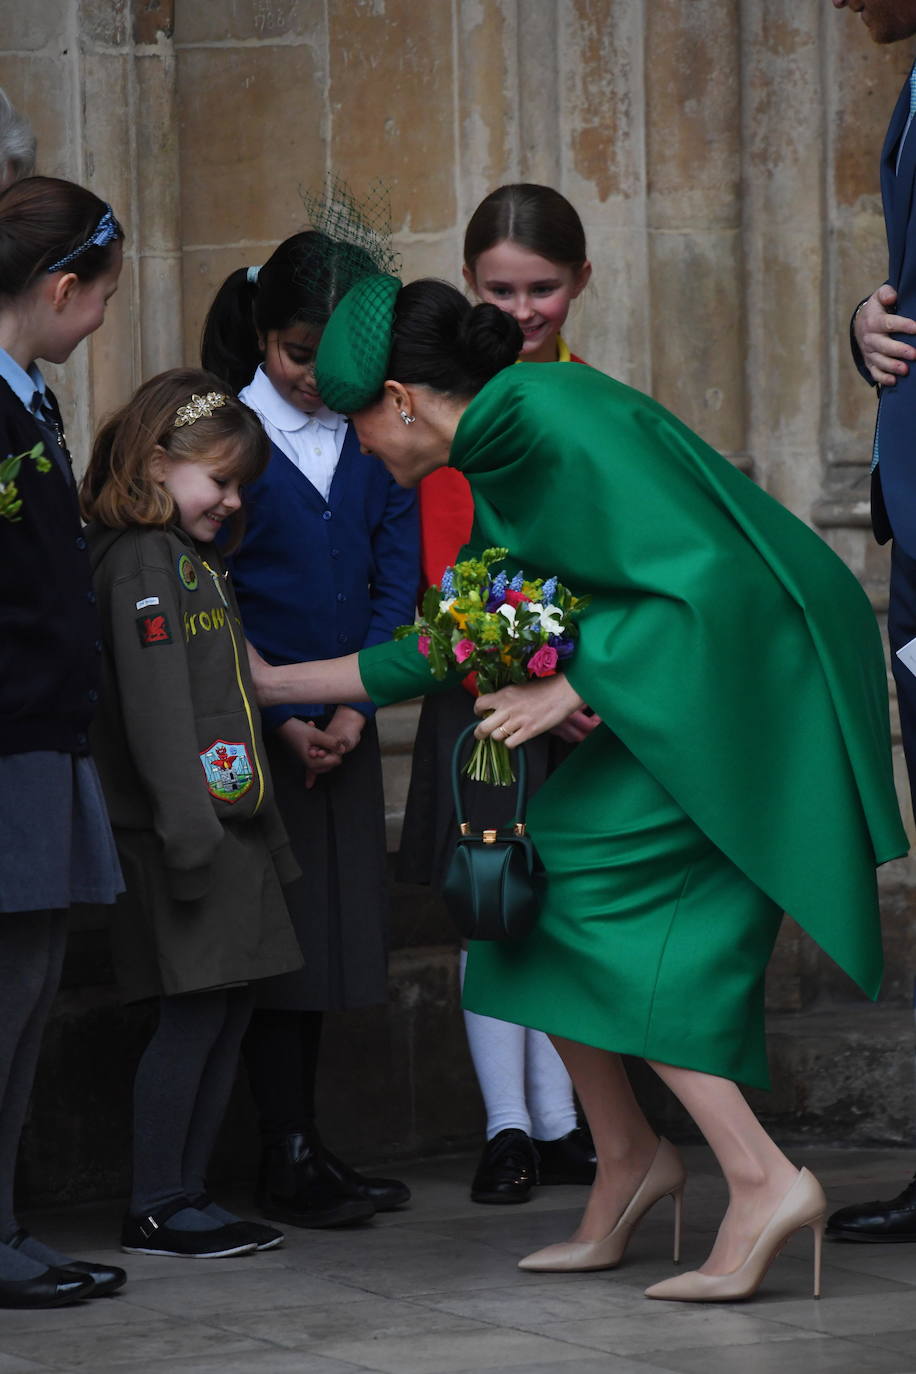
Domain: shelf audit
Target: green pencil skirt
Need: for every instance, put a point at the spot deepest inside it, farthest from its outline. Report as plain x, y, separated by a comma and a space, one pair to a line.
650, 942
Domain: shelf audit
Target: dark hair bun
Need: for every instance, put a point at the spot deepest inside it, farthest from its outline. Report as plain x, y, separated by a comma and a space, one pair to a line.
488, 340
440, 340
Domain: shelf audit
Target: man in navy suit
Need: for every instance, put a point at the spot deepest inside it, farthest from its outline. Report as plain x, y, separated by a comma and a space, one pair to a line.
880, 336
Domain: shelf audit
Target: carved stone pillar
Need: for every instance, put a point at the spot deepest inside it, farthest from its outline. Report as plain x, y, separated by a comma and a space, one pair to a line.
602, 131
693, 157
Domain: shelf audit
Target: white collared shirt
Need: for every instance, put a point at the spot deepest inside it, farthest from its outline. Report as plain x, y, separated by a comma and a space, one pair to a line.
312, 442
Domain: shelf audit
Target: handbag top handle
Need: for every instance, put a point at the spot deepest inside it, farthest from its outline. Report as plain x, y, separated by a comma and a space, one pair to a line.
521, 783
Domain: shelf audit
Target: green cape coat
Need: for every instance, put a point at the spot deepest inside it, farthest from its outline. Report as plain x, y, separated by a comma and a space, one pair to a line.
733, 653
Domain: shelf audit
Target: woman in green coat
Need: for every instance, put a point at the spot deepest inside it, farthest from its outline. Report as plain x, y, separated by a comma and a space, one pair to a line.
742, 768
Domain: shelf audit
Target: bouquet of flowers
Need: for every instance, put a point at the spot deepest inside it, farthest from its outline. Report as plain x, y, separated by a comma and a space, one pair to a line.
502, 629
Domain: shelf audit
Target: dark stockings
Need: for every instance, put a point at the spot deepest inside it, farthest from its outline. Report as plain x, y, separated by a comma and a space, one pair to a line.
181, 1092
31, 956
281, 1056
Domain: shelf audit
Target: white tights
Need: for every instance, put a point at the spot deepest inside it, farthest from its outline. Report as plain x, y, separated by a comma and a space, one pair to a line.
521, 1076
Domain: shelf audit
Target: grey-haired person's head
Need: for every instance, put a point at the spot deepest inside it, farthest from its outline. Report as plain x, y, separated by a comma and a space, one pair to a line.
17, 143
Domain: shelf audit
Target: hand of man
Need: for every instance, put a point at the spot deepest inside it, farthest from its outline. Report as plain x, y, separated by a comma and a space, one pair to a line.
576, 727
886, 358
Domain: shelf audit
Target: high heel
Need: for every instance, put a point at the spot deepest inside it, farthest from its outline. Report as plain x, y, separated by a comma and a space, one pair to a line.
803, 1205
665, 1175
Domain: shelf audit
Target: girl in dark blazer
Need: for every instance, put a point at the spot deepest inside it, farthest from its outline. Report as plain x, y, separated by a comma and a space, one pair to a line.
329, 564
60, 257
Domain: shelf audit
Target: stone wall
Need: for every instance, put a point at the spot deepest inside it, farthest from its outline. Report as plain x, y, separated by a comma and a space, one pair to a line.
722, 154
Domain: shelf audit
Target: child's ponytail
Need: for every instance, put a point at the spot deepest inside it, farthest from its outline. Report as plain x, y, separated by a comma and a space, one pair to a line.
300, 283
229, 343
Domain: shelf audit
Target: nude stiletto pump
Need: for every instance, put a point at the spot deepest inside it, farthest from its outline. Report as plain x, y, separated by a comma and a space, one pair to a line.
803, 1205
666, 1176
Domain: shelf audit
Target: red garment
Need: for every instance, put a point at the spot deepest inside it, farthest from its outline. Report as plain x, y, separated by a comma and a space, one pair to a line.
446, 516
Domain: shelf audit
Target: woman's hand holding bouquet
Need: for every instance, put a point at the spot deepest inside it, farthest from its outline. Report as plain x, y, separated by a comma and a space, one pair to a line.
505, 631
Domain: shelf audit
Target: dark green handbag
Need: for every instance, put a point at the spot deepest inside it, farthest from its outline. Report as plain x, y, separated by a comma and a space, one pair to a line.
495, 882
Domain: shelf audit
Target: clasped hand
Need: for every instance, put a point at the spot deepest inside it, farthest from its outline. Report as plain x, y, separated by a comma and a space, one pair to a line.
518, 713
321, 751
886, 358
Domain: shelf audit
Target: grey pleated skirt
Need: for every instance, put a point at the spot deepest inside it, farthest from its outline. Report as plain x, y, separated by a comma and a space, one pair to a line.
56, 846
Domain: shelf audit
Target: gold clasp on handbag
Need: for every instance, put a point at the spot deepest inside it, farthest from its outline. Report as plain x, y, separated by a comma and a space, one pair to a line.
489, 836
519, 828
464, 828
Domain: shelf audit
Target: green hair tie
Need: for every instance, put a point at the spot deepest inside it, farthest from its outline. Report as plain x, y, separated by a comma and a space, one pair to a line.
352, 359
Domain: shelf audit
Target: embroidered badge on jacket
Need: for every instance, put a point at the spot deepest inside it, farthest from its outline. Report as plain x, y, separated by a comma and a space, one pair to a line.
187, 573
227, 768
153, 629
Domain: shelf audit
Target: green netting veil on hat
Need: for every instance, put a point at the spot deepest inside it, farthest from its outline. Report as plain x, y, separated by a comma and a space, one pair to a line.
352, 359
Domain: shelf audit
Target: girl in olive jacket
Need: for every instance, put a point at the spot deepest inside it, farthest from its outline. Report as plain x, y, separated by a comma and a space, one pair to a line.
181, 758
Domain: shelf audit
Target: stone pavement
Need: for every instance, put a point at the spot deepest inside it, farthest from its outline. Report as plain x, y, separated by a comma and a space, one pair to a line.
434, 1290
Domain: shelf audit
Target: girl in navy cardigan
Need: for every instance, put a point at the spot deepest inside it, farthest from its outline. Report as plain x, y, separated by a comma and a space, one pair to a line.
329, 564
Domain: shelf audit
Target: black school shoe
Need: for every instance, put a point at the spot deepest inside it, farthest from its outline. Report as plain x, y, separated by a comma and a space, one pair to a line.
385, 1194
264, 1237
106, 1278
149, 1235
296, 1187
571, 1159
508, 1169
53, 1288
889, 1222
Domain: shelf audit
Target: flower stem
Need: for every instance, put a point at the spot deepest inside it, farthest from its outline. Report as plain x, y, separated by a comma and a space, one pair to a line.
490, 762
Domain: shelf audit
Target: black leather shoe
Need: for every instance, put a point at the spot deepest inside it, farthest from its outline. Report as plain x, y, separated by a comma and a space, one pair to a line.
385, 1194
571, 1159
887, 1222
508, 1169
53, 1288
150, 1235
106, 1278
296, 1188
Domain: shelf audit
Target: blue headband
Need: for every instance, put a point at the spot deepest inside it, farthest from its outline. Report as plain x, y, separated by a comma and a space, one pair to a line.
106, 230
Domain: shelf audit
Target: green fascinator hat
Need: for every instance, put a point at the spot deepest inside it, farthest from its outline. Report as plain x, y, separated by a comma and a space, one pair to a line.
352, 358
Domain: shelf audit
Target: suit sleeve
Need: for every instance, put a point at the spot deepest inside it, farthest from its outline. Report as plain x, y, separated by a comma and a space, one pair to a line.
151, 664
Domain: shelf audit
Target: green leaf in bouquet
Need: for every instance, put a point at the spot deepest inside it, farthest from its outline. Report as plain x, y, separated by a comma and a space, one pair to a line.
430, 607
440, 660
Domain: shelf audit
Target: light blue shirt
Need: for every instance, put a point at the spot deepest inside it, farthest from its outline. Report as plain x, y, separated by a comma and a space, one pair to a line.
23, 383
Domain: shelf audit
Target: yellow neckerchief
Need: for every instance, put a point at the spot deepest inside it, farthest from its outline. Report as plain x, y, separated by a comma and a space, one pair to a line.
563, 353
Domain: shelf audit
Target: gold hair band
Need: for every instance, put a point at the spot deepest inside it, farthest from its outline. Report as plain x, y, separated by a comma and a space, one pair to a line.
199, 407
